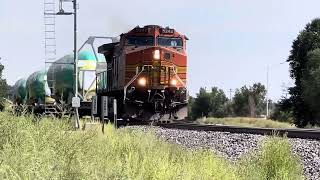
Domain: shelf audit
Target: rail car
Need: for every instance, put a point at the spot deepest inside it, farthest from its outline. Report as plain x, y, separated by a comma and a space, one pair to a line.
146, 72
50, 91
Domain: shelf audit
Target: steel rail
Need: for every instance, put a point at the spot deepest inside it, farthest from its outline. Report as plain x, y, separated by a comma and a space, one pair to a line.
291, 133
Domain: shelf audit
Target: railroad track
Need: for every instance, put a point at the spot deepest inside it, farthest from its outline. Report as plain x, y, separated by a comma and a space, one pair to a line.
291, 133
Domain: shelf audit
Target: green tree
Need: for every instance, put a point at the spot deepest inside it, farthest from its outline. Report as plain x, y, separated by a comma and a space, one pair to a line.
311, 84
249, 101
303, 50
209, 103
282, 111
258, 92
240, 103
201, 105
218, 103
3, 88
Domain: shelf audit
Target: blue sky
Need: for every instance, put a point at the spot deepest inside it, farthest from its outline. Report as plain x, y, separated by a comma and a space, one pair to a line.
231, 42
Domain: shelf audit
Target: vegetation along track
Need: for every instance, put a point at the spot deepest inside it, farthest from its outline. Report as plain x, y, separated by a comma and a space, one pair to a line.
291, 133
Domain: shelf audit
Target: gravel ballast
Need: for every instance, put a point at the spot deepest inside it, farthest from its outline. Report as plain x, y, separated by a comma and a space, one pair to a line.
228, 145
309, 153
232, 146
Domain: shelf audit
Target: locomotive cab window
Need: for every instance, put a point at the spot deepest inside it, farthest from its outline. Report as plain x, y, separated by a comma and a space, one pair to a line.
140, 41
170, 42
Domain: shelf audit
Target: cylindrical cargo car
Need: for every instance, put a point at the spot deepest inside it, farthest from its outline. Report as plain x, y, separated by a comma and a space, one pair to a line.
60, 76
53, 88
19, 92
37, 88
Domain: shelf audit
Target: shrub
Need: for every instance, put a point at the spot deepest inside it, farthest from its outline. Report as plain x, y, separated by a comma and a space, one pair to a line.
275, 161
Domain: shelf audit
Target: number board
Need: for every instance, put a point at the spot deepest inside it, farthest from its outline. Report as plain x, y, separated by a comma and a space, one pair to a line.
166, 31
141, 30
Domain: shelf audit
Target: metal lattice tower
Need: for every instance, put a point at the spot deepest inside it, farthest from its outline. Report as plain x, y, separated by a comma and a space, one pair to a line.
50, 29
49, 42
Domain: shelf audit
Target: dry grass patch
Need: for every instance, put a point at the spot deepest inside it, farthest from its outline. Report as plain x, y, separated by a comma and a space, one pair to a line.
246, 122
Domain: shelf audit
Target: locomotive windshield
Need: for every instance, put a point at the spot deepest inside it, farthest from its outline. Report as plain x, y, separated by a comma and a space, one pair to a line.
170, 42
140, 41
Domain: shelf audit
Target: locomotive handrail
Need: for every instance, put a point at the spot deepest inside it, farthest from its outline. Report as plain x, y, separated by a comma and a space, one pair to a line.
91, 85
129, 83
176, 75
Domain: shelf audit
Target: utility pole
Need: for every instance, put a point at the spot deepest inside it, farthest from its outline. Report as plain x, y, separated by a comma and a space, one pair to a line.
75, 56
230, 94
267, 94
75, 99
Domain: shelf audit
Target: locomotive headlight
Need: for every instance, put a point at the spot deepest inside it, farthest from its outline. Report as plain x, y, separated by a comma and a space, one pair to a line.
173, 82
142, 81
156, 54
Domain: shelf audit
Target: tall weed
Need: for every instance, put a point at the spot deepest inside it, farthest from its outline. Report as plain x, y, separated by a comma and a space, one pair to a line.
274, 161
51, 149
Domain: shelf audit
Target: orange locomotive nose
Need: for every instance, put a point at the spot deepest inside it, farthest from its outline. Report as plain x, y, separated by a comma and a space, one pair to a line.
159, 65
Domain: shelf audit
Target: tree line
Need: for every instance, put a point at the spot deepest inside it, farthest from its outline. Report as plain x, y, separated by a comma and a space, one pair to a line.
249, 101
4, 88
302, 107
304, 60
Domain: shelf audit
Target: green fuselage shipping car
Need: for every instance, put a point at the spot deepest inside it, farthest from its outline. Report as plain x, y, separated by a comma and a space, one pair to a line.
61, 76
19, 92
54, 87
37, 88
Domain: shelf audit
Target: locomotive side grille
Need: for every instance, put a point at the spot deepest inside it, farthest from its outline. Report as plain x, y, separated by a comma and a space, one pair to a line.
166, 73
163, 75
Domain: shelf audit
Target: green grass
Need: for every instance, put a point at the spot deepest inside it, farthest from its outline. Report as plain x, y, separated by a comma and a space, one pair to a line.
50, 149
274, 162
246, 122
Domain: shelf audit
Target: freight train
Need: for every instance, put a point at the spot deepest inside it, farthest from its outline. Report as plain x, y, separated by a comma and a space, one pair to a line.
51, 90
146, 72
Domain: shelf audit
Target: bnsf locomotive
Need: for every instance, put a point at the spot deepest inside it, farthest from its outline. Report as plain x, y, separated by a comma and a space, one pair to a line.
146, 71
